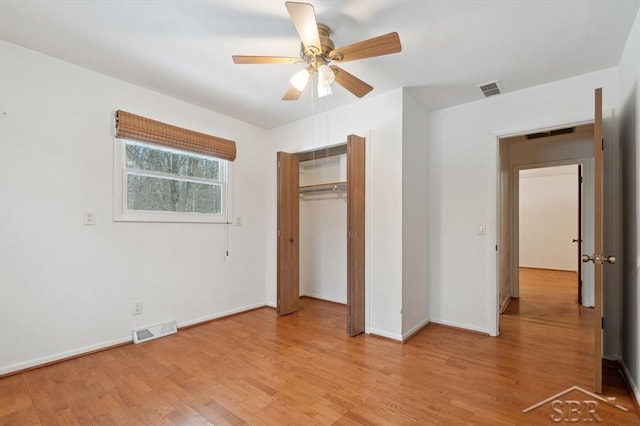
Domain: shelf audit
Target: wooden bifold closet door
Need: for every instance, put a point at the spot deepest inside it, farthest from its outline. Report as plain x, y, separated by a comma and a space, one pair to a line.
288, 233
355, 234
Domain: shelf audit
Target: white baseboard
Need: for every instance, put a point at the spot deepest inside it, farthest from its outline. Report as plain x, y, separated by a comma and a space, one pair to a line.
110, 343
414, 329
388, 335
220, 315
322, 297
634, 386
505, 304
63, 355
461, 325
551, 268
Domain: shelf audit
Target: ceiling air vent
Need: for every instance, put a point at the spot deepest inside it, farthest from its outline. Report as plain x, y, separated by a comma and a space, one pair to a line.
555, 132
490, 89
562, 131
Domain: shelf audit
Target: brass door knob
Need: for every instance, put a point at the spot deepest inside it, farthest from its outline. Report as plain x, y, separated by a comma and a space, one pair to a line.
598, 258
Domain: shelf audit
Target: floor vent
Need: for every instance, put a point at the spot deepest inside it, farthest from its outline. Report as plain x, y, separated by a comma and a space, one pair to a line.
490, 89
149, 333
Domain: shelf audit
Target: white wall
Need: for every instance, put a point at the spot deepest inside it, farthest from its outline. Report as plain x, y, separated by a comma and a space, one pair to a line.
462, 163
378, 118
415, 304
549, 218
323, 248
66, 288
629, 136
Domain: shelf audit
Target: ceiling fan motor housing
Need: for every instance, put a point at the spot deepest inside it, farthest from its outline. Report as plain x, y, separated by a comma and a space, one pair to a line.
312, 56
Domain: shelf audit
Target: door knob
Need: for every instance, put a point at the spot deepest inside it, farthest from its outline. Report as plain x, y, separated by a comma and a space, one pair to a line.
576, 241
598, 258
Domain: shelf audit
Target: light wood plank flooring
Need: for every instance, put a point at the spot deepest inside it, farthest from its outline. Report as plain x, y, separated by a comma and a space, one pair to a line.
257, 368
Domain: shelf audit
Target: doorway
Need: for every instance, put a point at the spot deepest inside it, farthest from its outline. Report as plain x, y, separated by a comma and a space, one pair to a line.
550, 224
601, 154
569, 147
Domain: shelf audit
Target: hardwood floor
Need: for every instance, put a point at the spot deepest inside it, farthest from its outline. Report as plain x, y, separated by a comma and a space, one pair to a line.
257, 368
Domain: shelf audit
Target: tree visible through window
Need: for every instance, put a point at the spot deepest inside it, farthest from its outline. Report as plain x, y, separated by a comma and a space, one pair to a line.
164, 180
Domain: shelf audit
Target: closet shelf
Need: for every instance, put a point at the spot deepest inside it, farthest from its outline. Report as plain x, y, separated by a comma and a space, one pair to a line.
323, 188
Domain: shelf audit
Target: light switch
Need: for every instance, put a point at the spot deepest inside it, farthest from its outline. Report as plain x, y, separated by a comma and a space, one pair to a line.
89, 217
482, 229
238, 221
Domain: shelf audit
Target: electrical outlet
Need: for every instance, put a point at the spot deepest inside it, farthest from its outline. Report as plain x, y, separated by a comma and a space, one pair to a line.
89, 217
137, 308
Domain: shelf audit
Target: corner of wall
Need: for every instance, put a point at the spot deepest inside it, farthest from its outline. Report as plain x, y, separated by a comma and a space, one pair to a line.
415, 303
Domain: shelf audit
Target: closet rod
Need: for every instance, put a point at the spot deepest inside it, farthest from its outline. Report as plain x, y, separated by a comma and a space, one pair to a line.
323, 187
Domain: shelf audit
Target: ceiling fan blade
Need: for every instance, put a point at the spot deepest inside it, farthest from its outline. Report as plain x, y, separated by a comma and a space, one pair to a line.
351, 82
292, 94
377, 46
239, 59
304, 19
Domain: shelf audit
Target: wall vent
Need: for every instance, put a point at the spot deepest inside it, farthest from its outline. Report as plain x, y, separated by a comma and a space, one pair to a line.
153, 332
490, 89
555, 132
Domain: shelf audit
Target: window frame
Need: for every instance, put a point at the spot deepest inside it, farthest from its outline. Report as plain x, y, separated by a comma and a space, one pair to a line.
122, 214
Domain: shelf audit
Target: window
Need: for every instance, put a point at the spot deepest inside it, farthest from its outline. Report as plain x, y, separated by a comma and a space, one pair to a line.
160, 184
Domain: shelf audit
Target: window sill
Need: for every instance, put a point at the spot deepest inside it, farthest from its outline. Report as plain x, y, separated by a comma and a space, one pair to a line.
161, 217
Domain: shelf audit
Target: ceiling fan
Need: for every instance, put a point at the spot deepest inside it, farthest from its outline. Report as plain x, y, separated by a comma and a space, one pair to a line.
319, 53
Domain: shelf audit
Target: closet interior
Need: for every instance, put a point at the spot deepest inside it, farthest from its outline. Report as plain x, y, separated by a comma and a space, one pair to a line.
323, 223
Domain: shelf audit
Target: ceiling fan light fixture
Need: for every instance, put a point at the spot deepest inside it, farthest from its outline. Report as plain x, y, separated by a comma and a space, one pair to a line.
300, 79
326, 75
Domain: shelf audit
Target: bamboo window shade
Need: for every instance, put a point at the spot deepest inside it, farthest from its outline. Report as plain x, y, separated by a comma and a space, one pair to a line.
136, 127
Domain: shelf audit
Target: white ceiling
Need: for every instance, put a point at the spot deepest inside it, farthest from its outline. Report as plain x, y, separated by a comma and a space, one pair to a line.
183, 48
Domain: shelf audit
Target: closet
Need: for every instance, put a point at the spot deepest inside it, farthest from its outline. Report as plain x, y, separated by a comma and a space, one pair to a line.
323, 225
321, 196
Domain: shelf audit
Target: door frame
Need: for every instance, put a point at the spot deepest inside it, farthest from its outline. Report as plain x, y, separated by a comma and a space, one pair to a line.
580, 238
524, 129
587, 220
